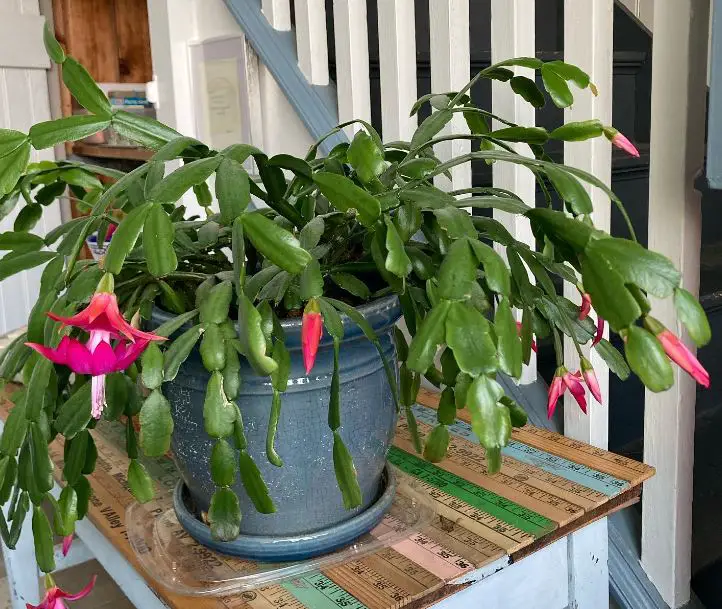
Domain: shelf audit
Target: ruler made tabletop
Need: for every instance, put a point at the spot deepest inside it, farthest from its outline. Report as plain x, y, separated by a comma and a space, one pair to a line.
548, 487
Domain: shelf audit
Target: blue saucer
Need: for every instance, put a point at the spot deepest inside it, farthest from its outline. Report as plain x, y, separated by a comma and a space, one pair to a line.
269, 548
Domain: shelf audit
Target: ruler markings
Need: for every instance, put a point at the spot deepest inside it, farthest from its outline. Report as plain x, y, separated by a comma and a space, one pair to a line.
615, 465
370, 586
316, 591
468, 462
434, 557
559, 466
459, 513
445, 532
474, 496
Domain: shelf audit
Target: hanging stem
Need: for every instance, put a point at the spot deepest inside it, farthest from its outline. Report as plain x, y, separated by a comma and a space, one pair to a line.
271, 453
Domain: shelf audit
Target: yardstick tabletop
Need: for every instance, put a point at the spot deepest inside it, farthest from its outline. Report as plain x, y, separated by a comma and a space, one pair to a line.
548, 487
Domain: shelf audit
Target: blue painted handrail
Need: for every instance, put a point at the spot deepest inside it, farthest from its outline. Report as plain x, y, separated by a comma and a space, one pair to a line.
315, 105
714, 117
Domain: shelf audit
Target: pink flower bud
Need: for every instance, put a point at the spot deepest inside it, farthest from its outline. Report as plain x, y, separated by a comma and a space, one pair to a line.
620, 141
590, 378
574, 384
311, 330
67, 542
556, 389
678, 352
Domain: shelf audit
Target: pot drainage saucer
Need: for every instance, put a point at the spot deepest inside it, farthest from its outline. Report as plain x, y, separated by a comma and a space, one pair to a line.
286, 547
166, 539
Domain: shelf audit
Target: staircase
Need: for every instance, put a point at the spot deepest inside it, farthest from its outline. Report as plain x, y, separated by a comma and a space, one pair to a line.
641, 10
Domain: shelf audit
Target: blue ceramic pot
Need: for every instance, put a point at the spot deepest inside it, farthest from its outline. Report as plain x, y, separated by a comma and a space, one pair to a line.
304, 489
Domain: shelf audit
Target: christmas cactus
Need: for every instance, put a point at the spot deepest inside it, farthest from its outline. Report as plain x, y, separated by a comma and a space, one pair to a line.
311, 237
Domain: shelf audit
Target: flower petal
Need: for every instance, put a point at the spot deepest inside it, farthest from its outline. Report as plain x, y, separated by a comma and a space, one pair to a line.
577, 390
556, 389
117, 321
82, 594
85, 318
103, 359
59, 355
79, 359
126, 354
590, 378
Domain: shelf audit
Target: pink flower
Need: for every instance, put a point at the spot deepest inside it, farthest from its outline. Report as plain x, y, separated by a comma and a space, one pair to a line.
600, 331
311, 330
55, 596
533, 342
677, 351
103, 322
585, 307
590, 378
67, 542
621, 141
563, 380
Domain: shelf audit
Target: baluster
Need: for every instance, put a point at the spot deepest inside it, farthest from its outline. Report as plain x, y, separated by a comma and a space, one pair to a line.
311, 45
278, 13
397, 58
512, 35
449, 38
679, 62
588, 44
352, 62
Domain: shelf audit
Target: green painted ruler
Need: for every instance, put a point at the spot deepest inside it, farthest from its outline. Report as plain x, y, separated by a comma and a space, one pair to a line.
316, 591
481, 499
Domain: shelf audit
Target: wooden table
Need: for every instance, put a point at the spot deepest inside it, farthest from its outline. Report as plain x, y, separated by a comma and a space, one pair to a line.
534, 534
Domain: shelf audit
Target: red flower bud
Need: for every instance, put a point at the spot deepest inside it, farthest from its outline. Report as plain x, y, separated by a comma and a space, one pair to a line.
585, 307
311, 330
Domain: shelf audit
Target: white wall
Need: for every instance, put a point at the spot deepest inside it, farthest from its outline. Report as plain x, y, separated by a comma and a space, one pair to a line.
174, 25
23, 102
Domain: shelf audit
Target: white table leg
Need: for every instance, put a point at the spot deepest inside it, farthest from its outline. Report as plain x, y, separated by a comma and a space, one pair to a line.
588, 569
22, 572
123, 573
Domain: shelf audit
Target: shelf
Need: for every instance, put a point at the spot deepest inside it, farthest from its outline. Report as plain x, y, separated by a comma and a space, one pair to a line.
112, 152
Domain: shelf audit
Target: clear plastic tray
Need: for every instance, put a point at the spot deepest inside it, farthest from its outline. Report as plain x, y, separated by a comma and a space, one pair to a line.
175, 560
